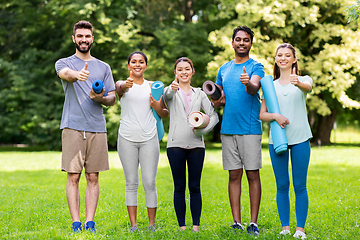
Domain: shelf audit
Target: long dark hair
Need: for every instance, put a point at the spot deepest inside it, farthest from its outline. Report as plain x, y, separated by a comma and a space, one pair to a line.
276, 71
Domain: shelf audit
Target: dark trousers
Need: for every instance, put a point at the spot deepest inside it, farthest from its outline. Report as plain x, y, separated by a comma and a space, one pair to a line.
178, 157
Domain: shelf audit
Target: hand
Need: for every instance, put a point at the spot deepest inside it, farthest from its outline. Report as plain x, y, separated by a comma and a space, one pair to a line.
155, 104
220, 102
175, 85
96, 96
129, 82
281, 120
83, 74
244, 77
294, 78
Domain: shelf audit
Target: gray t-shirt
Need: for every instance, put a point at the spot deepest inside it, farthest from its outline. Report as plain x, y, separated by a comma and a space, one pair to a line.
79, 111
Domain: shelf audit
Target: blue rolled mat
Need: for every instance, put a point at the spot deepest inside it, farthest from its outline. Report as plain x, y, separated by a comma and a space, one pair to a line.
98, 86
278, 134
157, 90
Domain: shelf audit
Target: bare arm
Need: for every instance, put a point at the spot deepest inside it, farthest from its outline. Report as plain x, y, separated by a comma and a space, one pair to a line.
72, 75
159, 106
108, 100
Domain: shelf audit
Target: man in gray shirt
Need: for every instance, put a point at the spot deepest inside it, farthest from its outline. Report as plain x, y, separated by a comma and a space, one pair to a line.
84, 140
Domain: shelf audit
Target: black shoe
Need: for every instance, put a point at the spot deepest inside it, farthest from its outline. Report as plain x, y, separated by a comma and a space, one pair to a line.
253, 229
237, 226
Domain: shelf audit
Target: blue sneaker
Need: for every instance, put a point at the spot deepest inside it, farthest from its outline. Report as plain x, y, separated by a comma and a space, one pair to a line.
253, 229
76, 227
90, 226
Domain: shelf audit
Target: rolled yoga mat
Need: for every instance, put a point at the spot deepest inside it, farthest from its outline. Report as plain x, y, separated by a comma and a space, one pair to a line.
157, 90
98, 86
198, 119
211, 89
278, 134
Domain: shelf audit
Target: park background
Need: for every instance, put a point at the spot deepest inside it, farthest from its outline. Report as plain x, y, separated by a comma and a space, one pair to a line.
34, 34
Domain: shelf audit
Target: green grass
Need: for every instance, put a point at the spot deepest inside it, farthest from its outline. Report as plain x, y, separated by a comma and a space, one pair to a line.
33, 201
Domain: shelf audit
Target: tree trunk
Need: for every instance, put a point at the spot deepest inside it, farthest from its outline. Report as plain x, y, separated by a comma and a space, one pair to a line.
323, 129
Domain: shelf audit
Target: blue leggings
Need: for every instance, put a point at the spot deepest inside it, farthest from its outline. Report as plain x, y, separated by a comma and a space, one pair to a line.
300, 158
178, 157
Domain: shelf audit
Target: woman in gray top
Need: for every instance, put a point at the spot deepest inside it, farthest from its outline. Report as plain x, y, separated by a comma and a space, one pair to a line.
185, 143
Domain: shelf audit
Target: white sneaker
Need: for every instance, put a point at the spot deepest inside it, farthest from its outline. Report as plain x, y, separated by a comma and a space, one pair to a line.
299, 234
285, 232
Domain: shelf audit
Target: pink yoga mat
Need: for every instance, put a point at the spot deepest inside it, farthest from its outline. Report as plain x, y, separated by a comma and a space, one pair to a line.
199, 119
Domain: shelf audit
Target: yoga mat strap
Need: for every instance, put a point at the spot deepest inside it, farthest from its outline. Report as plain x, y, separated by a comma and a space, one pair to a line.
278, 133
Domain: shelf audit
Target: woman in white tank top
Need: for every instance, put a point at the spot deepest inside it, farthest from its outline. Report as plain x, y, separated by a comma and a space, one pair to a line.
137, 139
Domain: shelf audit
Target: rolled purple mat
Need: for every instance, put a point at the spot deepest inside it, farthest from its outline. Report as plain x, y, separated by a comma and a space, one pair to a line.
212, 90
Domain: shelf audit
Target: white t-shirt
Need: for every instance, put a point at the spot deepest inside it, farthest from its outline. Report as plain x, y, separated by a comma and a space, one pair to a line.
137, 122
292, 104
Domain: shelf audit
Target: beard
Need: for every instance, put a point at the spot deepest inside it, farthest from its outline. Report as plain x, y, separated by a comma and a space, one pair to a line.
78, 47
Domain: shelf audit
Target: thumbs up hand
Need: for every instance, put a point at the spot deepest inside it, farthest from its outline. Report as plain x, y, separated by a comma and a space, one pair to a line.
294, 77
244, 77
129, 82
83, 74
175, 84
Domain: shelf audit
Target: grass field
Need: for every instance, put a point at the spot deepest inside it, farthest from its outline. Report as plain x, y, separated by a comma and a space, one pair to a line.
33, 202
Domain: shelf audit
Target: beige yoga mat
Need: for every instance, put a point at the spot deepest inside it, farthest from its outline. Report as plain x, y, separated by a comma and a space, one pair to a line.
198, 119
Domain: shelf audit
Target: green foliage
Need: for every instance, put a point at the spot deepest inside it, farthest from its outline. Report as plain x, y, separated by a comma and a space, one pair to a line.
34, 34
353, 11
326, 44
34, 206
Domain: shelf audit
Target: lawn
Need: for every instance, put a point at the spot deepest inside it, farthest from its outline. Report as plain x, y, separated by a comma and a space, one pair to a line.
33, 202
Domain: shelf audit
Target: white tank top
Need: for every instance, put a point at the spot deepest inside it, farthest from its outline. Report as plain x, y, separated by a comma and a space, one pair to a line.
137, 122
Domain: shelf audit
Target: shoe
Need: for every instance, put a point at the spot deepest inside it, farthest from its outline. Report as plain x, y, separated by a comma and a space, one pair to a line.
237, 226
285, 232
76, 227
90, 226
134, 228
299, 234
253, 229
152, 228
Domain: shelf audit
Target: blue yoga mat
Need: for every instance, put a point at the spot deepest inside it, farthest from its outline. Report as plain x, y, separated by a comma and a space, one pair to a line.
278, 134
157, 90
98, 86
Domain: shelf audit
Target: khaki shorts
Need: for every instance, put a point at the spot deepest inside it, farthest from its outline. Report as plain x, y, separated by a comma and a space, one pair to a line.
241, 151
89, 152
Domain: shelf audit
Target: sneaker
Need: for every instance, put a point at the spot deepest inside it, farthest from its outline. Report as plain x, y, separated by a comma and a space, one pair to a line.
237, 226
253, 229
299, 234
134, 228
285, 232
90, 226
76, 227
152, 228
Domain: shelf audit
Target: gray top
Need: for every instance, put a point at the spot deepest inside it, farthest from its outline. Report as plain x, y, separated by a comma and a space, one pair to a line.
180, 131
79, 111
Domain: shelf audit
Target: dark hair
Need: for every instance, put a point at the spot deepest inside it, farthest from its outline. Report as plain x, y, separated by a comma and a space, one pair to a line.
83, 24
184, 59
138, 52
276, 71
245, 29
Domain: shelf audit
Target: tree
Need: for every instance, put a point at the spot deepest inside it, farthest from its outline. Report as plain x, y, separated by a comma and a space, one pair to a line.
326, 45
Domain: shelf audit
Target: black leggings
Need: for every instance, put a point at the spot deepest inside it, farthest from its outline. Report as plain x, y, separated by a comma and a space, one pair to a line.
195, 161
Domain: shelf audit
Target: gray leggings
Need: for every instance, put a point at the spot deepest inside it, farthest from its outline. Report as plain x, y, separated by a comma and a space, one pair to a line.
147, 155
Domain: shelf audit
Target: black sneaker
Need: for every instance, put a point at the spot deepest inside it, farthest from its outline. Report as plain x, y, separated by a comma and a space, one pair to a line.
253, 229
237, 226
